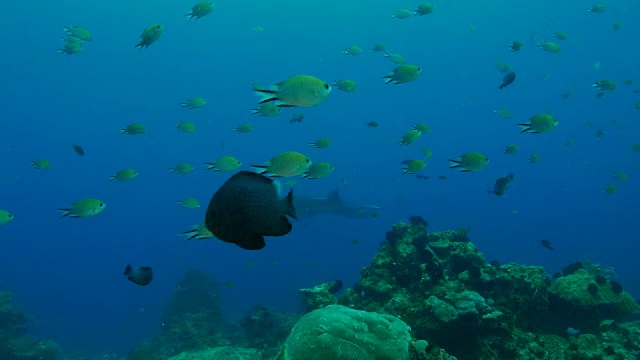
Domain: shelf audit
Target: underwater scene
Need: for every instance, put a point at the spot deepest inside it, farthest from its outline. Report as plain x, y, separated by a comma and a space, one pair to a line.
319, 180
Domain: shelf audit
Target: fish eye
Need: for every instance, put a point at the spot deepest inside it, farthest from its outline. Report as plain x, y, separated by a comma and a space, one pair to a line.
326, 86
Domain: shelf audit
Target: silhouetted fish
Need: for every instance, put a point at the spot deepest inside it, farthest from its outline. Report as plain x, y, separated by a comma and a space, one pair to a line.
335, 287
78, 149
248, 207
546, 244
501, 185
141, 276
508, 79
297, 118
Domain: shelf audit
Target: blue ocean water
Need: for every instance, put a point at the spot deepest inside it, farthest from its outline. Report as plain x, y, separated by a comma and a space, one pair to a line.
68, 272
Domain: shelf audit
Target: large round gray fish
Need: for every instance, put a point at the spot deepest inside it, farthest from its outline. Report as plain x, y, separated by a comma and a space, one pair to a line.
248, 207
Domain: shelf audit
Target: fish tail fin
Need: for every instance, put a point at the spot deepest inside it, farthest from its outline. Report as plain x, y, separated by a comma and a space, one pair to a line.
291, 210
260, 169
266, 95
524, 128
190, 235
65, 212
127, 270
255, 111
387, 79
454, 164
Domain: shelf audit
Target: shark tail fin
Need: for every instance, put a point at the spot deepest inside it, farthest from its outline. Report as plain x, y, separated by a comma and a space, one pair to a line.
334, 196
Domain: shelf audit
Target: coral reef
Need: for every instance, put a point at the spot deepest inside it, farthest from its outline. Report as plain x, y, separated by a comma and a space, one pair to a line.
15, 344
424, 296
266, 328
443, 287
590, 301
191, 321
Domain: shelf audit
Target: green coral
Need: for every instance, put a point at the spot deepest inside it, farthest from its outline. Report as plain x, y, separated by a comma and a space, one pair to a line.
522, 292
589, 302
317, 297
220, 353
336, 332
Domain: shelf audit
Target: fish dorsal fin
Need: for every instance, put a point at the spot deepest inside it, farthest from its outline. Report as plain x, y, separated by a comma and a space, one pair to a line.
249, 175
334, 196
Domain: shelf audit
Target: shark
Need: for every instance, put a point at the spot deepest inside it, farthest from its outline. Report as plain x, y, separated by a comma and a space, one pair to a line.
308, 207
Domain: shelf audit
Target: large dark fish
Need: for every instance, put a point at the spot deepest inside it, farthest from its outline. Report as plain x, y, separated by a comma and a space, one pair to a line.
508, 79
141, 276
501, 185
248, 207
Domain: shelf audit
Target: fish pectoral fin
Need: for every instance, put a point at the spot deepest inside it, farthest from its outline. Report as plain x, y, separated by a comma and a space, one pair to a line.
280, 228
291, 210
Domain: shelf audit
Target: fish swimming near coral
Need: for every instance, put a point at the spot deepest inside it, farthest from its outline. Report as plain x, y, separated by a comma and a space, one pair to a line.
546, 244
573, 332
307, 207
